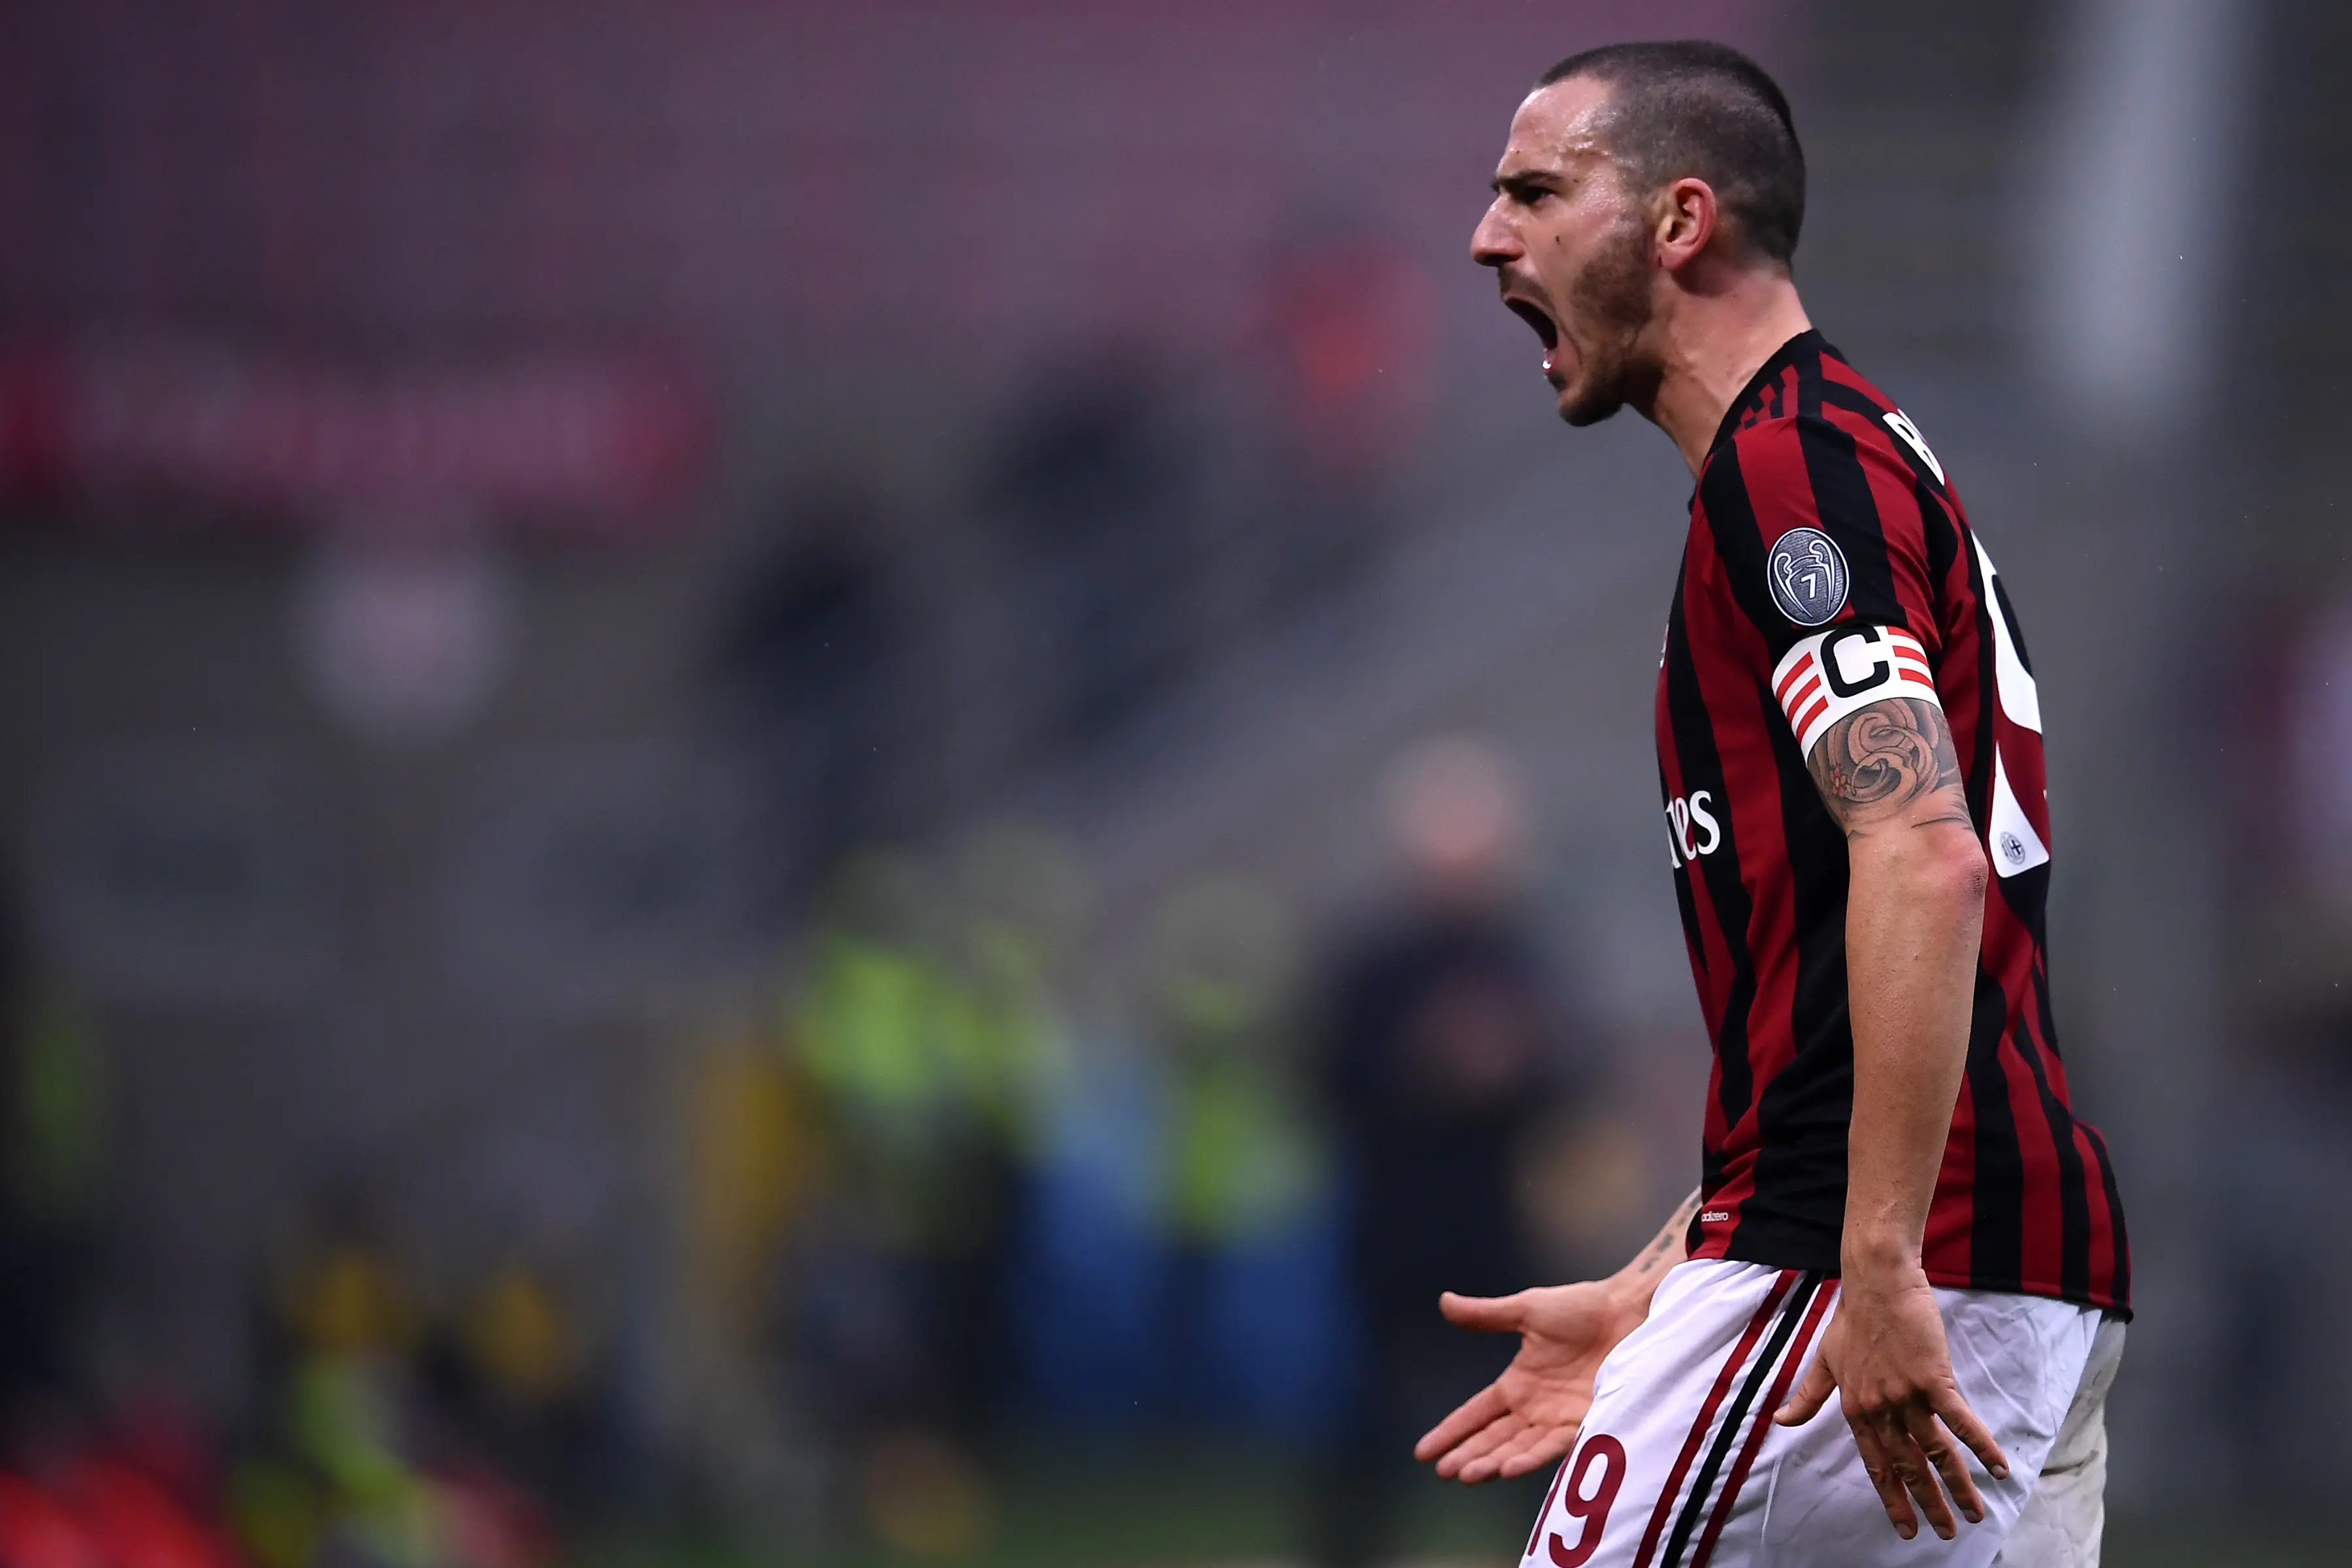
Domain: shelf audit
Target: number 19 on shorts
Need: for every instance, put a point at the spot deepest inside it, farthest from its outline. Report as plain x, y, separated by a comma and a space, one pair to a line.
1584, 1489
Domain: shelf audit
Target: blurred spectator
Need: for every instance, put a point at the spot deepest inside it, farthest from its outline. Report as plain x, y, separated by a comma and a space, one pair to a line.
521, 1375
54, 1127
1442, 1049
1176, 1257
752, 1149
1353, 321
359, 1462
57, 1110
925, 1082
1237, 1163
907, 1183
1089, 1279
930, 1030
814, 662
1242, 1175
1095, 503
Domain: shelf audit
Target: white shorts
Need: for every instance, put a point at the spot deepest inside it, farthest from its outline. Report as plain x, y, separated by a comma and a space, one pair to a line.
1680, 1465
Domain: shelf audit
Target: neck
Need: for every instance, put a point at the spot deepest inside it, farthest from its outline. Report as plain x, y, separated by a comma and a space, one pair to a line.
1713, 343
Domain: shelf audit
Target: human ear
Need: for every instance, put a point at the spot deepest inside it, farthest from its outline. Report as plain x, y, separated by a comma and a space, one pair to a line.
1686, 217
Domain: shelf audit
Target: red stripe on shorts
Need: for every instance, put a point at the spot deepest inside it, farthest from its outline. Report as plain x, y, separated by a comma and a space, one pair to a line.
1666, 1508
1823, 1297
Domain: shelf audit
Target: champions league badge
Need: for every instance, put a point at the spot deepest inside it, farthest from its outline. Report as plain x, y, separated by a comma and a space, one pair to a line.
1809, 576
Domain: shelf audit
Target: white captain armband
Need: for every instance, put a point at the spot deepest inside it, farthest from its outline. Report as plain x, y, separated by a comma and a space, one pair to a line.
1831, 674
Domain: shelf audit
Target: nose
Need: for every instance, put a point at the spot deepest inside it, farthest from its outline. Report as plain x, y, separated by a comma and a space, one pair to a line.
1492, 243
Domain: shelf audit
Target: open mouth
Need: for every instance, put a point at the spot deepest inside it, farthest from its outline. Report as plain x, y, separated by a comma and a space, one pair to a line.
1534, 316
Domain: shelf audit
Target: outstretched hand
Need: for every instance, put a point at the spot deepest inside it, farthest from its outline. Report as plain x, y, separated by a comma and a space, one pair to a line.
1528, 1416
1884, 1354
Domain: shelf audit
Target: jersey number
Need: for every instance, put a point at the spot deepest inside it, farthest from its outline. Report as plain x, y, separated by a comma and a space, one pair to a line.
1589, 1505
1900, 423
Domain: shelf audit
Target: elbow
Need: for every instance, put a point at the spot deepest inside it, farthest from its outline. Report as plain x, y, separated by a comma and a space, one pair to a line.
1937, 863
1953, 866
1971, 870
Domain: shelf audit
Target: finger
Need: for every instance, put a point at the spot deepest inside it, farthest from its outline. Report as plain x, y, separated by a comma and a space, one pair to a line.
1965, 1426
1813, 1393
1492, 1314
1489, 1464
1506, 1429
1882, 1479
1945, 1454
1472, 1468
1543, 1446
1918, 1475
1468, 1417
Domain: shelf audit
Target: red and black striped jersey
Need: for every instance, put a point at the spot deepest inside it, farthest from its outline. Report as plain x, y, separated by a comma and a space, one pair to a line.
1829, 565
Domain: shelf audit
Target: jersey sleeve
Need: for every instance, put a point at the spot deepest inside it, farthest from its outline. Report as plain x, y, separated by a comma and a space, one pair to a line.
1823, 677
1833, 572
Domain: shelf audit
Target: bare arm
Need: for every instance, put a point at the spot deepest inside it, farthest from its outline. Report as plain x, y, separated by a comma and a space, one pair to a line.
1915, 913
1638, 1281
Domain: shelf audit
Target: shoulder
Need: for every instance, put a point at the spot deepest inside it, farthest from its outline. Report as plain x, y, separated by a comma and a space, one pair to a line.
1783, 445
1768, 477
1850, 462
1846, 418
1817, 516
1761, 452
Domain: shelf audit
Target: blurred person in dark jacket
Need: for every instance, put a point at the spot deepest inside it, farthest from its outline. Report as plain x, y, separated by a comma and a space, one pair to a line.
816, 668
56, 1142
1443, 1047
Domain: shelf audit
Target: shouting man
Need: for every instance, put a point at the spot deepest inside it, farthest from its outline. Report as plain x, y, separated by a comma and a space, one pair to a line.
1896, 1207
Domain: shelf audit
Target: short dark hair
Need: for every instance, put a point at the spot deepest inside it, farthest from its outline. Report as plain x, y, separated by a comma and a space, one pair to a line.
1705, 109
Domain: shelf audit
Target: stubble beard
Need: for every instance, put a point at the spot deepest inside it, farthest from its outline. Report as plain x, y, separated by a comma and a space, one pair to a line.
1610, 303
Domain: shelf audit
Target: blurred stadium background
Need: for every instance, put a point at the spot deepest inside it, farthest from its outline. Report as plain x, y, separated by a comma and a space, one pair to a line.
739, 738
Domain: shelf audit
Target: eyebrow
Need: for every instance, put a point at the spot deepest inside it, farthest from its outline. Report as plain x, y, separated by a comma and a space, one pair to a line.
1522, 180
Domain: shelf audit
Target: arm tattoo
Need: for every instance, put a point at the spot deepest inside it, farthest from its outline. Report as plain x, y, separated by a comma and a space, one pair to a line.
1665, 1248
1891, 762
